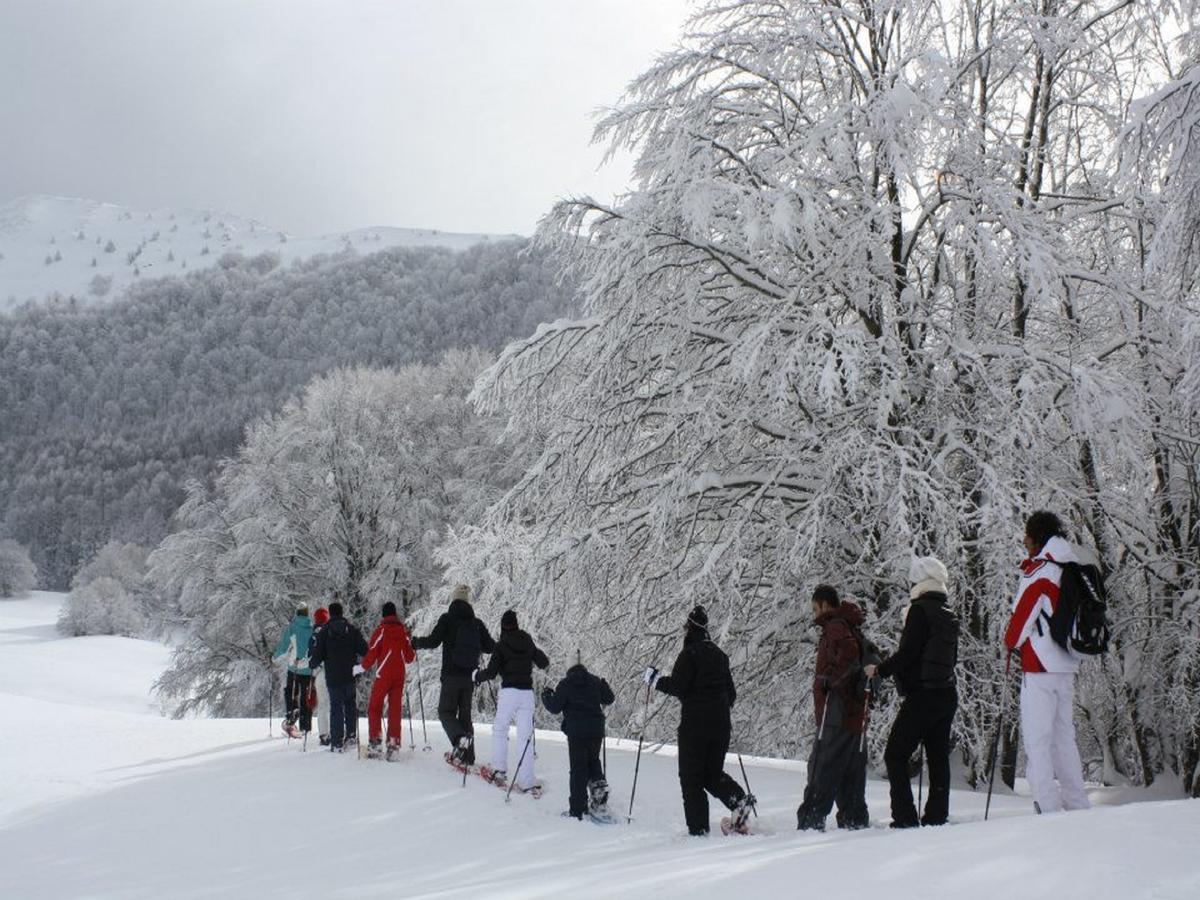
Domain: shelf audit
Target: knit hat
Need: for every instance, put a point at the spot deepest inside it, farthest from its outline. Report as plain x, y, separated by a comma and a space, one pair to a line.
321, 616
508, 621
302, 609
389, 608
927, 574
698, 618
461, 592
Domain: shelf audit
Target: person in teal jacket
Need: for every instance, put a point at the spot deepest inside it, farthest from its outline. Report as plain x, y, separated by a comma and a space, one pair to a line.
293, 650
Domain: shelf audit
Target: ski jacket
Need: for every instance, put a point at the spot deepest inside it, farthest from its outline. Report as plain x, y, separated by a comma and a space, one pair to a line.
703, 683
838, 664
579, 698
1037, 595
928, 651
293, 644
338, 647
459, 614
513, 660
389, 648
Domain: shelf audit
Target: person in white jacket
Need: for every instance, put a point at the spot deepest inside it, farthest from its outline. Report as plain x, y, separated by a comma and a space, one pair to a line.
1053, 768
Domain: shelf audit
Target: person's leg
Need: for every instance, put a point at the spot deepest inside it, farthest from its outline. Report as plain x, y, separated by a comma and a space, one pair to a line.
375, 710
692, 755
337, 702
322, 705
306, 686
577, 754
717, 781
395, 710
1038, 703
1068, 768
851, 793
448, 710
289, 698
902, 741
597, 783
836, 753
466, 694
506, 711
350, 705
524, 716
939, 719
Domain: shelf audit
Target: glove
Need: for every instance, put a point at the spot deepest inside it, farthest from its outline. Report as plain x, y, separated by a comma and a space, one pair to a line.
547, 695
475, 677
651, 676
357, 670
823, 684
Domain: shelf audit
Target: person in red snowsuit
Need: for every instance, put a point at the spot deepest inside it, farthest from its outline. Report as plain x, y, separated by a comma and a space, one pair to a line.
389, 651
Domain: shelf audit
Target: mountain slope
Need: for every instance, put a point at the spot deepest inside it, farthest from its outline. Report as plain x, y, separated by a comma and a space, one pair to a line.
94, 251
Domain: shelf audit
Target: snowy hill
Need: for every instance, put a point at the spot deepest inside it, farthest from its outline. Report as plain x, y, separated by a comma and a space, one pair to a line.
92, 251
102, 797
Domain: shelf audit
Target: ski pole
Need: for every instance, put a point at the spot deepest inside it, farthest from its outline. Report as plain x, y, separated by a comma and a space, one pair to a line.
412, 735
996, 740
270, 703
518, 772
421, 700
862, 744
754, 806
920, 777
638, 762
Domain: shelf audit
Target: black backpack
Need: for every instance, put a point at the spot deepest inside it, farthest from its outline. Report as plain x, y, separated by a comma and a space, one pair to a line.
467, 647
1080, 618
868, 655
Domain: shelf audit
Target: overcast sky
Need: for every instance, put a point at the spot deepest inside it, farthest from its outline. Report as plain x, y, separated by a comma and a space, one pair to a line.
462, 115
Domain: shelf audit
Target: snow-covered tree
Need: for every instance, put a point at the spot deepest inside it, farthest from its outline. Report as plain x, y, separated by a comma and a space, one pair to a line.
18, 574
872, 293
109, 595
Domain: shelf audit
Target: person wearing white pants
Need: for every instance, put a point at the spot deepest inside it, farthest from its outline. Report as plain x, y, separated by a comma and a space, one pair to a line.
513, 660
320, 620
1053, 767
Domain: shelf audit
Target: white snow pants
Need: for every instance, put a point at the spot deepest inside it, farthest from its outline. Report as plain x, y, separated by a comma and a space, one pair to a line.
1048, 729
322, 703
514, 703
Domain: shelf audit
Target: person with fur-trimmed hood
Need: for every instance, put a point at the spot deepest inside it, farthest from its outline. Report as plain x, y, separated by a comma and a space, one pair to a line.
1053, 768
580, 698
923, 666
837, 770
703, 683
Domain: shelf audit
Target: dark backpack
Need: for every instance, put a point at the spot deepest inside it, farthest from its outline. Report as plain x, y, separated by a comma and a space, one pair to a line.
868, 655
1080, 618
467, 647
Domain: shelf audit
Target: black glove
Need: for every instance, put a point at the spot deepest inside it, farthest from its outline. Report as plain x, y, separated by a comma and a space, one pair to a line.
547, 695
824, 685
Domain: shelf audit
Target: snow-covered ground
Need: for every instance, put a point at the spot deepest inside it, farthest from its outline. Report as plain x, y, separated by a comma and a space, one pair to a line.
93, 251
100, 796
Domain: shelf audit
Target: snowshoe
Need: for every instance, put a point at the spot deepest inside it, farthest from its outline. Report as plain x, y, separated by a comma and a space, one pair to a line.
739, 822
291, 730
498, 777
453, 760
393, 750
325, 740
567, 814
375, 750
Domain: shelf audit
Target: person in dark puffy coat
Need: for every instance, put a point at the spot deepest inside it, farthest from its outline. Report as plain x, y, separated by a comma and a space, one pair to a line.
837, 769
580, 698
338, 646
703, 683
923, 666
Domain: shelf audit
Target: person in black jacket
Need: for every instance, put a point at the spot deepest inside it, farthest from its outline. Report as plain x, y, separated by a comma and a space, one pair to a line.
338, 647
513, 660
923, 666
462, 638
702, 682
579, 698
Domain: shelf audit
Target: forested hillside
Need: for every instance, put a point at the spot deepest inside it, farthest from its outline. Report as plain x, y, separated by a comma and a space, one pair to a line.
107, 412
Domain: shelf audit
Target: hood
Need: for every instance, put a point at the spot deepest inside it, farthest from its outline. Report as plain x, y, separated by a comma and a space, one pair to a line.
1058, 550
461, 609
577, 672
847, 611
390, 620
935, 597
517, 641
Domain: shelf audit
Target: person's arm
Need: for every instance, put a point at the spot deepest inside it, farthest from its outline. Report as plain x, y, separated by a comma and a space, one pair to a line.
406, 648
371, 655
486, 644
683, 675
606, 693
729, 685
539, 658
1025, 610
493, 667
553, 700
360, 643
912, 644
841, 654
316, 651
434, 638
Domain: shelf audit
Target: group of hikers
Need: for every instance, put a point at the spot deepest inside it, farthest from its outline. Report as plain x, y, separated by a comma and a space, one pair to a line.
846, 674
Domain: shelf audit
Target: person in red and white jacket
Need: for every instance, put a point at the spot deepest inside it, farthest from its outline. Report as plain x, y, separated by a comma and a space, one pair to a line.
390, 651
1048, 683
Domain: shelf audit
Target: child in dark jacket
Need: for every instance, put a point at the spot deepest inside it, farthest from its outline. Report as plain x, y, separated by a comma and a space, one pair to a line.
579, 697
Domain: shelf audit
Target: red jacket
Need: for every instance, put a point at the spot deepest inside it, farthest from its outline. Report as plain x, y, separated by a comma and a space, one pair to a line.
837, 665
390, 648
1037, 596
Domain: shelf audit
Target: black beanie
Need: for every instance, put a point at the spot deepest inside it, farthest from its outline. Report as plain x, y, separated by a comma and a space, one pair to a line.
698, 618
389, 608
508, 621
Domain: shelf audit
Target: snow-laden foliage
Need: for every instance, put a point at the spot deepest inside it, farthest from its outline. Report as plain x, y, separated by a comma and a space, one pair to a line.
350, 488
105, 414
878, 289
110, 595
18, 574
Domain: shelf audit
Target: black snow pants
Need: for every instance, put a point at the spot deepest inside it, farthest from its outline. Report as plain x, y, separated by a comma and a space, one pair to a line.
701, 769
584, 753
925, 718
295, 700
837, 772
343, 713
454, 710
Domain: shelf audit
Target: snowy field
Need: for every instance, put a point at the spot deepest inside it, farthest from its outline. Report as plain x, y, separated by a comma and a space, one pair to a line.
103, 797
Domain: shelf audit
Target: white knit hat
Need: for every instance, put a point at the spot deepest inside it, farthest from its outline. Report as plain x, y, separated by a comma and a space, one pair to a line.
925, 574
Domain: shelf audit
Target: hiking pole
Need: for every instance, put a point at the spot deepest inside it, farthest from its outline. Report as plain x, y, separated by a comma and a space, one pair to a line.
862, 744
638, 762
412, 735
920, 776
270, 703
996, 740
517, 775
421, 700
753, 806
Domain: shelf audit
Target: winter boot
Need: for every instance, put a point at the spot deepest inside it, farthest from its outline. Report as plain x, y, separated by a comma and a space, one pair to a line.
393, 749
741, 814
325, 739
567, 814
461, 755
598, 797
498, 777
291, 730
375, 749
